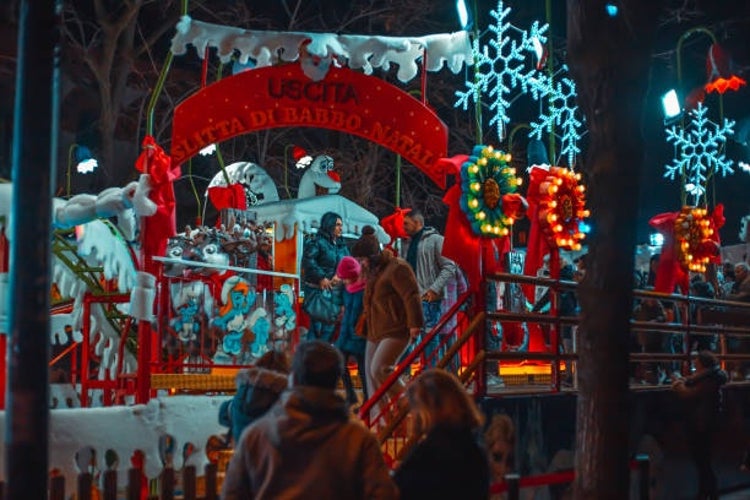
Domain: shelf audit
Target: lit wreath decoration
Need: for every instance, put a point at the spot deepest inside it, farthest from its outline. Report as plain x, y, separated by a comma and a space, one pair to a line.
693, 233
488, 184
562, 208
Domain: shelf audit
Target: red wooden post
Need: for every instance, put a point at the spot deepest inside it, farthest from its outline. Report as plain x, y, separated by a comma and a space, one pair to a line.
554, 291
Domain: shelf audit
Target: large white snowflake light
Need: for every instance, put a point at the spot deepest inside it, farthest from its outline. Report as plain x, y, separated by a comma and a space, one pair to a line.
560, 113
500, 66
699, 152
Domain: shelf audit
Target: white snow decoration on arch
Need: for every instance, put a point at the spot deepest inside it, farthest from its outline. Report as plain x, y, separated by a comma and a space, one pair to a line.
364, 52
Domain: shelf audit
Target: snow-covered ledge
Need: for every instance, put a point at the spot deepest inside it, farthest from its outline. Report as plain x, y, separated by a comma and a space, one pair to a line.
364, 52
125, 429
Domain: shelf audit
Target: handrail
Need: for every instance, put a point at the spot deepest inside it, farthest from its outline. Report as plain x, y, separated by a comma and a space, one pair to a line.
452, 351
697, 317
406, 362
65, 352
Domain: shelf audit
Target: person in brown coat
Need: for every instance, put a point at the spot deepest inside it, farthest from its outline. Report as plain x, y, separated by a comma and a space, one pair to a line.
392, 308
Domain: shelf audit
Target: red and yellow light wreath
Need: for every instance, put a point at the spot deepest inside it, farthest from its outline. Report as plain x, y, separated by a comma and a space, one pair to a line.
694, 237
562, 208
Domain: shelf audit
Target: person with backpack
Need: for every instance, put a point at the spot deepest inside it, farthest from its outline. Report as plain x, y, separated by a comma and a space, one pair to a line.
258, 388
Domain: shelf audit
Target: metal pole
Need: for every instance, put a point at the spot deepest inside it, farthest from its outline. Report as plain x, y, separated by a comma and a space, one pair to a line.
34, 164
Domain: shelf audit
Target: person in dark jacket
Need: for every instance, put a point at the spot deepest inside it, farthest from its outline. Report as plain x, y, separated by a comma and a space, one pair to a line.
309, 445
321, 254
449, 462
258, 388
349, 343
702, 393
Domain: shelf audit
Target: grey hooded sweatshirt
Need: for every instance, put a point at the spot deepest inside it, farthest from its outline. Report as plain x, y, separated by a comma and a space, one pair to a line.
308, 446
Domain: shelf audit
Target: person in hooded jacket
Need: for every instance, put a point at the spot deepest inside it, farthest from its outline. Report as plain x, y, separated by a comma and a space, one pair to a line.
308, 445
321, 254
258, 388
701, 392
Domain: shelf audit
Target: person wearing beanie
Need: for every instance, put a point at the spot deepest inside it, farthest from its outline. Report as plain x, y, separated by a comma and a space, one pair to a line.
367, 245
349, 271
321, 254
392, 308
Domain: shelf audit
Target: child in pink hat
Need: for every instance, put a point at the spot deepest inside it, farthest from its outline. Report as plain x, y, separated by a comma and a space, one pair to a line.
349, 343
350, 272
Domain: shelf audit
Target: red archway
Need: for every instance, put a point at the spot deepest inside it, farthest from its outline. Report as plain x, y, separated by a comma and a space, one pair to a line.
283, 96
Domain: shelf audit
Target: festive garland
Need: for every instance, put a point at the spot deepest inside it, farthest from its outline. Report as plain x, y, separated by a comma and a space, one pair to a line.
562, 208
693, 233
488, 184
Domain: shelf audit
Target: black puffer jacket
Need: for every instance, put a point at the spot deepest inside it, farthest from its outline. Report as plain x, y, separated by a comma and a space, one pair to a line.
321, 254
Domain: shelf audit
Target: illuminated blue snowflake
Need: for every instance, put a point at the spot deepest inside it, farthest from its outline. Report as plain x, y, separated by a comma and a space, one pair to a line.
559, 114
699, 150
500, 66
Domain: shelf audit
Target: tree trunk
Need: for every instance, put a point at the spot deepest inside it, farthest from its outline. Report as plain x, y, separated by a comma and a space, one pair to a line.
609, 57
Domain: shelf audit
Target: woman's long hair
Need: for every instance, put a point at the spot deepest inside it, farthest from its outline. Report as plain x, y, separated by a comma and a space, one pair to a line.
437, 397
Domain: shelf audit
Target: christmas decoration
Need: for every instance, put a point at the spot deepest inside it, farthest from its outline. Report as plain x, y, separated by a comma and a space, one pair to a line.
560, 113
691, 239
365, 52
561, 208
719, 71
694, 237
487, 186
700, 149
301, 158
500, 69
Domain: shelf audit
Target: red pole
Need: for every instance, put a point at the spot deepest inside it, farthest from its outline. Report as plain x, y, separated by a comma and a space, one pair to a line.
86, 343
554, 273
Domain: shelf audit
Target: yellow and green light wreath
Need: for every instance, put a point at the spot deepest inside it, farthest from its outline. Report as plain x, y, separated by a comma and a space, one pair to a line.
488, 186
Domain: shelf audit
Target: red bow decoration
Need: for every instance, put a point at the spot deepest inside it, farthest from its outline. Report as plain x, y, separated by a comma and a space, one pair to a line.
393, 224
162, 225
231, 196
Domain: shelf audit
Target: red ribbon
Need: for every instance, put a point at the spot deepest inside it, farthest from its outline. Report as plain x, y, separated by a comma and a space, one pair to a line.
162, 225
393, 224
537, 246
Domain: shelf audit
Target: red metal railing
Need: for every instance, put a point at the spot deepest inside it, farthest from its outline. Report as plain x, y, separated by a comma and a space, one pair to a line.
405, 366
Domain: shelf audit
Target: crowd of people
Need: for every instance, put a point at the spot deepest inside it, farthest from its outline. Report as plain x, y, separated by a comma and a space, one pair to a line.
729, 282
382, 300
308, 441
309, 445
302, 438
